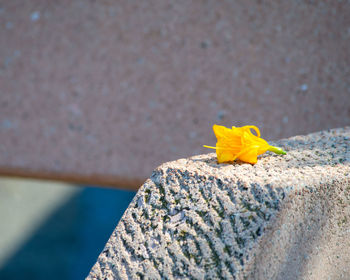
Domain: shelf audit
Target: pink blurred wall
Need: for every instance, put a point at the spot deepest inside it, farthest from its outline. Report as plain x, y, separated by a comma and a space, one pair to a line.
111, 89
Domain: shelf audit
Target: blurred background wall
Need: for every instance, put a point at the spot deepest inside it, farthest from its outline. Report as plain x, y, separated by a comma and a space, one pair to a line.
111, 89
55, 231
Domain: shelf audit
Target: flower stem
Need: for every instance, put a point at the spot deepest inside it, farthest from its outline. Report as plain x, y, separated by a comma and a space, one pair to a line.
276, 150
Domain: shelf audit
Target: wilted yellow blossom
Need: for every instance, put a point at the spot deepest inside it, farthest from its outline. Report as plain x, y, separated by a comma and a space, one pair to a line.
240, 143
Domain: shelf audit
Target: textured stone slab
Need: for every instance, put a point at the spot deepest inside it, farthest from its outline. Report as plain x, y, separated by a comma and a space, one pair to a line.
287, 217
105, 91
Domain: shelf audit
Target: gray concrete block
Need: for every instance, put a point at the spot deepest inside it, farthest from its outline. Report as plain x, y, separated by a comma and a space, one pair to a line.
287, 217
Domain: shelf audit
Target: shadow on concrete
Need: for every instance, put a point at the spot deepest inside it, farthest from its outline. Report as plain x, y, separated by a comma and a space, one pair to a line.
305, 237
68, 243
301, 234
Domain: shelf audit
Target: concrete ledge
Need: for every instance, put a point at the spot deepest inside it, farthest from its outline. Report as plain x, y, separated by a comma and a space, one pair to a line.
287, 217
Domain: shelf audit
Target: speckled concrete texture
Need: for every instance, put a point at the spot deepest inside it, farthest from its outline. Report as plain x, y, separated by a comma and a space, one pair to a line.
287, 217
115, 88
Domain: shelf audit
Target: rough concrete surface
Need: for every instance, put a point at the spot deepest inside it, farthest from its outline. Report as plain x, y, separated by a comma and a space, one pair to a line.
287, 217
115, 88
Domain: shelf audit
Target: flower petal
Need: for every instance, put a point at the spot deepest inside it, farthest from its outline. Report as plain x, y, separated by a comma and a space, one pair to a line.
250, 156
224, 156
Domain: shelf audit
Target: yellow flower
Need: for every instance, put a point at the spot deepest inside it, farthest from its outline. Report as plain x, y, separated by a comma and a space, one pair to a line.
240, 143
